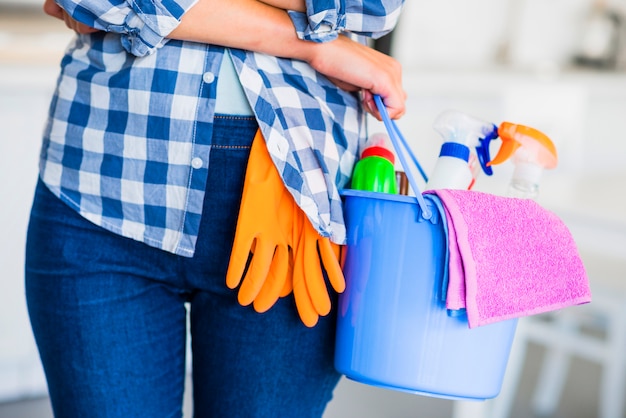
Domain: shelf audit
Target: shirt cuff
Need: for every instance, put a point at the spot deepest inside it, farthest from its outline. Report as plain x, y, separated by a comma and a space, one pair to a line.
147, 25
320, 27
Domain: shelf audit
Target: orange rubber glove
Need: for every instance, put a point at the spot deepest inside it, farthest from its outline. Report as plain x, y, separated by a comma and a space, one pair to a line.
278, 281
287, 252
263, 225
314, 256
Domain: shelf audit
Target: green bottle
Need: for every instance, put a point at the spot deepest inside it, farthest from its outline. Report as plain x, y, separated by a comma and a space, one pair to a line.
375, 171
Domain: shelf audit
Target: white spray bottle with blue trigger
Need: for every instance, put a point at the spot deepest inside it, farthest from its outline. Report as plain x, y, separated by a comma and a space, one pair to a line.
460, 133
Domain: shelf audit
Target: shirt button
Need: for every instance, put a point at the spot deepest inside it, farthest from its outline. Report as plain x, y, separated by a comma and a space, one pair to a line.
208, 77
196, 162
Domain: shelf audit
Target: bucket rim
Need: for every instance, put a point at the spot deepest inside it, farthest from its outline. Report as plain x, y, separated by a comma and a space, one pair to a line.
378, 195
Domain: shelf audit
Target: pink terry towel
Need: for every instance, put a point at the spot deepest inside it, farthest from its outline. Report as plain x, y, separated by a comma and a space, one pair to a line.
509, 258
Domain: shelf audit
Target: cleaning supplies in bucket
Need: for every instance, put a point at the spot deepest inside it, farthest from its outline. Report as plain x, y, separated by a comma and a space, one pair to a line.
461, 132
393, 329
511, 257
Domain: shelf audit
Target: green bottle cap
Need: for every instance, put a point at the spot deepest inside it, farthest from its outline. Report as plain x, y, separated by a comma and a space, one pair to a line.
374, 174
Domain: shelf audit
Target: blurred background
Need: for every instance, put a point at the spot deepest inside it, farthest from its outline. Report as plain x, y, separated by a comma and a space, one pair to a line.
556, 65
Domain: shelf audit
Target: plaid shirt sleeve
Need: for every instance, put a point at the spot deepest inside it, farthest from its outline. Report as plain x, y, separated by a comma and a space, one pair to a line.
142, 24
325, 19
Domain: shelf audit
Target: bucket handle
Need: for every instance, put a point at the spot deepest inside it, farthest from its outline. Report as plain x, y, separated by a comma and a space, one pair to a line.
397, 139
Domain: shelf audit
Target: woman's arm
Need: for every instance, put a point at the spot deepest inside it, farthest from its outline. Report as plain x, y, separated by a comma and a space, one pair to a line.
296, 5
245, 24
259, 27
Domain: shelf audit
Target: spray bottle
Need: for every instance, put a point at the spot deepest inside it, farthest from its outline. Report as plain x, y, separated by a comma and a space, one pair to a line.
375, 171
532, 152
461, 132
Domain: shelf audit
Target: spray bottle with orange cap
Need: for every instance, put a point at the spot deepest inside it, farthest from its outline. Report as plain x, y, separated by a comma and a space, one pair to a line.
532, 152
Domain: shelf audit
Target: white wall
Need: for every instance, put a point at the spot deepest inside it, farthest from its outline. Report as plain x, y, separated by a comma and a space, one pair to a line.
459, 34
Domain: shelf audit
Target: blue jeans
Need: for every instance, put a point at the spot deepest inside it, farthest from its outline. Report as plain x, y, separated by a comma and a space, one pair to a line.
109, 316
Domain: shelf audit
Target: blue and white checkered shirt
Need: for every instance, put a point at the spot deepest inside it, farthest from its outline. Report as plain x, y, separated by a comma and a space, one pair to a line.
126, 143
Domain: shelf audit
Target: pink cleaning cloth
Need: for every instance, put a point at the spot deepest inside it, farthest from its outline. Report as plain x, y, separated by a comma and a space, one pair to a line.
455, 296
509, 258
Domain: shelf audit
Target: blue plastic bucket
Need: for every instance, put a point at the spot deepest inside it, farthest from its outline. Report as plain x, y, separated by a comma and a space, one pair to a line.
393, 328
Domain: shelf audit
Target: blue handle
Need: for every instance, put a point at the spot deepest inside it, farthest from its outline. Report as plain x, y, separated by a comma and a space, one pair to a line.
406, 146
394, 134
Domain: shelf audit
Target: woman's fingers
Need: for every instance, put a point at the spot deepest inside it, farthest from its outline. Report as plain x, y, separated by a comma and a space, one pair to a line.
52, 9
349, 63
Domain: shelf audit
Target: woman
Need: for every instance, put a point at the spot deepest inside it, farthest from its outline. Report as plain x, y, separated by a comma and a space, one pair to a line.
141, 176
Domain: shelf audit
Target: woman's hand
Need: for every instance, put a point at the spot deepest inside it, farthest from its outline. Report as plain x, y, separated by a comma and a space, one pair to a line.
52, 9
353, 66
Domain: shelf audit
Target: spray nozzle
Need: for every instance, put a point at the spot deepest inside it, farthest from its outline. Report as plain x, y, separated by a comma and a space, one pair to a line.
482, 151
465, 131
538, 148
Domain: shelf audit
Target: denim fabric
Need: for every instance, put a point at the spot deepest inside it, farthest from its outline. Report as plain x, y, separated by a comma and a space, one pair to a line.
109, 317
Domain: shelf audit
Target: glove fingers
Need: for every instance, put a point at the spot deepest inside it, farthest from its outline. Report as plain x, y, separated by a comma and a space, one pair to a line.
307, 312
330, 254
247, 223
310, 257
288, 285
265, 276
314, 277
257, 273
275, 282
239, 256
287, 288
